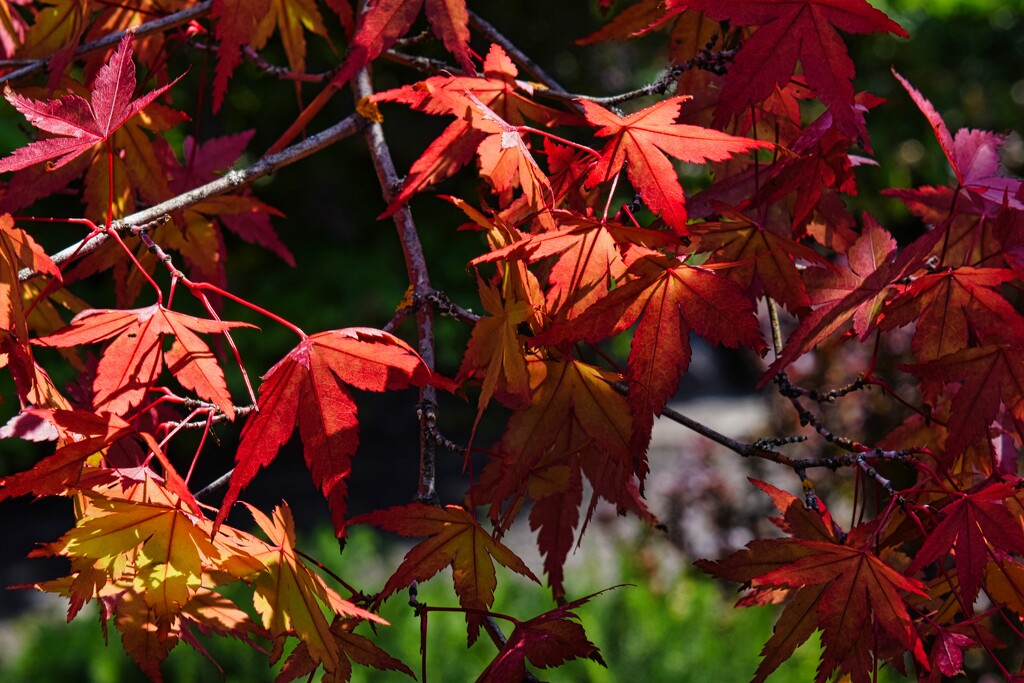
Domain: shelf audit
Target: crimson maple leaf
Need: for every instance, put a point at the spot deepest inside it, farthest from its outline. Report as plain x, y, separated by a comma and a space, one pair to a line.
456, 539
197, 236
499, 89
644, 138
989, 376
308, 387
131, 363
842, 588
670, 298
954, 306
973, 155
590, 257
789, 30
78, 123
758, 258
546, 640
385, 21
971, 527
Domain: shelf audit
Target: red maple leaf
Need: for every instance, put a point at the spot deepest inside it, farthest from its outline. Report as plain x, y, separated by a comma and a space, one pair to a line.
546, 640
590, 257
789, 30
842, 588
989, 376
971, 527
670, 298
644, 138
856, 293
385, 21
759, 259
243, 214
455, 539
131, 363
308, 387
973, 154
80, 124
499, 89
953, 307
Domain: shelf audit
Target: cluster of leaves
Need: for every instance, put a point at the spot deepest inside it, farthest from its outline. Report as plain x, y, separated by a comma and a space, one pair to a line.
903, 585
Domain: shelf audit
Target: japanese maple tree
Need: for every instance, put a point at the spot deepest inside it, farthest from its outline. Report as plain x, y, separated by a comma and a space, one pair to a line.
715, 203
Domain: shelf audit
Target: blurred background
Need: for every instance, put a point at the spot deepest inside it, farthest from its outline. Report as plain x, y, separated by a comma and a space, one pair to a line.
673, 624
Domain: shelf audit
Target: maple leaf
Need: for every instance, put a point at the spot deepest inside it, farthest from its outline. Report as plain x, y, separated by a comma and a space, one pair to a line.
670, 299
54, 35
385, 21
643, 139
495, 349
173, 547
289, 596
989, 376
83, 434
577, 424
546, 640
843, 589
590, 257
353, 647
757, 258
499, 90
132, 362
971, 527
251, 22
505, 159
954, 306
79, 123
197, 236
973, 155
308, 386
455, 539
18, 250
857, 294
789, 30
142, 635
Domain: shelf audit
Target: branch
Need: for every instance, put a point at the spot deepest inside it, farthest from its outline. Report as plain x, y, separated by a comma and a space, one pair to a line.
155, 26
232, 180
416, 266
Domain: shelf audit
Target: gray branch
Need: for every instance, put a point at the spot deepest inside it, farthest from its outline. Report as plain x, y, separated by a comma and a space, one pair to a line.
232, 180
155, 26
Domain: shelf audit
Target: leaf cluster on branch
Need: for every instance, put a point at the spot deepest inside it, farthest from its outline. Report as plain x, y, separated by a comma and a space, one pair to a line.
758, 100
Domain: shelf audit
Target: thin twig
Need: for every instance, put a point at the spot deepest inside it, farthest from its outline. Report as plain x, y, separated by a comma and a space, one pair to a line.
217, 483
232, 180
155, 26
416, 266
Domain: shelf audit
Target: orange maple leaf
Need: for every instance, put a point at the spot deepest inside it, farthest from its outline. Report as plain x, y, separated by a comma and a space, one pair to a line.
644, 138
132, 362
457, 540
290, 597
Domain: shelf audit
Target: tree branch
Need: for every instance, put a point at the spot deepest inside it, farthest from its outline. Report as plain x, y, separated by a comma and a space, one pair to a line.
155, 26
416, 265
232, 180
